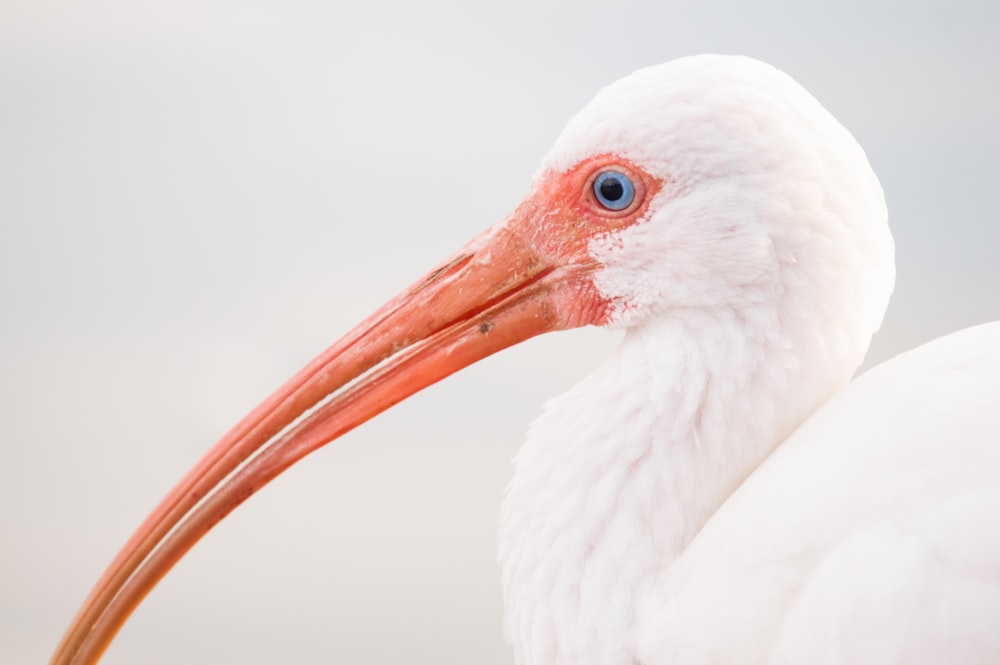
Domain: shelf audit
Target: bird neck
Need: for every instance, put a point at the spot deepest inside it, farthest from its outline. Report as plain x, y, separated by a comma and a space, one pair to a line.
619, 474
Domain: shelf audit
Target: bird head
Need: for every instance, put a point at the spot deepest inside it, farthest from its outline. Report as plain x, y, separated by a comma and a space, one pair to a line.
760, 199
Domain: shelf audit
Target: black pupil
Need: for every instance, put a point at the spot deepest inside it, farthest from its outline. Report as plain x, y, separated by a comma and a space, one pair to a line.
611, 189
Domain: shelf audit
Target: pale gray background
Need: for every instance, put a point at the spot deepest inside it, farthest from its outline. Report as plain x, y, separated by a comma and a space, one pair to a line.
196, 197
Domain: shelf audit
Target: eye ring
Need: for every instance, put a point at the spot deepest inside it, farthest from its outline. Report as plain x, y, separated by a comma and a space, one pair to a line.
613, 190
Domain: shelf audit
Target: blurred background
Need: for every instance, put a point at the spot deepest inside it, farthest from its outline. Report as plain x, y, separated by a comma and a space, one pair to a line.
198, 197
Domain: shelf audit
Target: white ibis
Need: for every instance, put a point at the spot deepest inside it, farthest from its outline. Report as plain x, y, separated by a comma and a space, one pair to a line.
713, 493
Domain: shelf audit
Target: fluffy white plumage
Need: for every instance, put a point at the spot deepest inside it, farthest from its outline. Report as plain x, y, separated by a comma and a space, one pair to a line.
648, 520
872, 535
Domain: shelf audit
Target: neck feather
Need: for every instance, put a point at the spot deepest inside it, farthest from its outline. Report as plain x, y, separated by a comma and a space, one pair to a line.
619, 474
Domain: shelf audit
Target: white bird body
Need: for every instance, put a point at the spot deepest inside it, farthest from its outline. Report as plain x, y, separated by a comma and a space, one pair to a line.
870, 535
713, 493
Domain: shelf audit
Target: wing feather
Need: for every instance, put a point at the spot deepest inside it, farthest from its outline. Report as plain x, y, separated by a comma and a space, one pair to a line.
872, 535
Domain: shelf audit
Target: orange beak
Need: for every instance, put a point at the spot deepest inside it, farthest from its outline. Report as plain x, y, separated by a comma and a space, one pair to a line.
528, 275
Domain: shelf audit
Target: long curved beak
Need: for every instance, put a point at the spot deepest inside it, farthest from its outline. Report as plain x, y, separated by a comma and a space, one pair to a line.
495, 292
528, 275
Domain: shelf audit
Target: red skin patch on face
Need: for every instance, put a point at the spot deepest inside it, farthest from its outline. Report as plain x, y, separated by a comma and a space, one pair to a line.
562, 215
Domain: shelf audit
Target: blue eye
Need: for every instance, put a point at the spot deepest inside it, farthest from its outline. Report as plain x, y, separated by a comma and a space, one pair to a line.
614, 190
